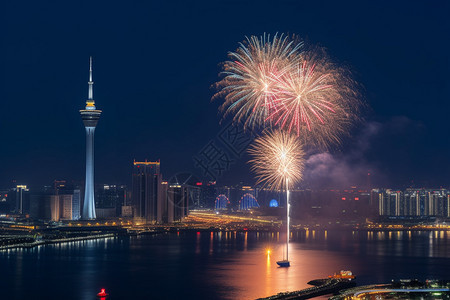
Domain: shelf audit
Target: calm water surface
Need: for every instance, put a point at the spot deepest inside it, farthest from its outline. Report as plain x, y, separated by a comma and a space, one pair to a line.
217, 265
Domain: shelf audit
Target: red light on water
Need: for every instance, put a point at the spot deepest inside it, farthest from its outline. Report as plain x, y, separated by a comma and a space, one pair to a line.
102, 293
343, 198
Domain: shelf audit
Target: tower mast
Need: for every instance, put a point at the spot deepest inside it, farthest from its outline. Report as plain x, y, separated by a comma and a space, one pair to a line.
90, 116
90, 83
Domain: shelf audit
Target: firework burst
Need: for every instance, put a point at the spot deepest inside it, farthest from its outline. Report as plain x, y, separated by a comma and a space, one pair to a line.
317, 99
277, 157
251, 76
270, 83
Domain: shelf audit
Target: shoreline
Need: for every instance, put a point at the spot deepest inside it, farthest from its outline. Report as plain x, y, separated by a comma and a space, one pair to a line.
57, 241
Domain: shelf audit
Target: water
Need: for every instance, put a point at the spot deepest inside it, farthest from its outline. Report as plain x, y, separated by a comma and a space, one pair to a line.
217, 265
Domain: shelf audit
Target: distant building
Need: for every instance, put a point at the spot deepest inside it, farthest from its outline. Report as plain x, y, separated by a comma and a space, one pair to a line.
40, 203
69, 200
147, 191
111, 196
178, 198
208, 194
4, 202
235, 194
412, 202
248, 201
20, 197
76, 204
447, 206
61, 207
127, 211
40, 207
58, 202
221, 202
106, 213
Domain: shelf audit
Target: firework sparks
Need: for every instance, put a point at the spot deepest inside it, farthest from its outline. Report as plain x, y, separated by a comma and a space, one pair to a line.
271, 83
250, 84
316, 99
277, 157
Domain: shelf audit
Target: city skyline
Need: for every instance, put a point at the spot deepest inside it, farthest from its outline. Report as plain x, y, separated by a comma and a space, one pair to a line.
270, 149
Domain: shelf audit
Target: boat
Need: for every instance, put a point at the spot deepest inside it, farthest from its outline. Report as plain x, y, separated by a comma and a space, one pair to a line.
343, 275
103, 294
284, 263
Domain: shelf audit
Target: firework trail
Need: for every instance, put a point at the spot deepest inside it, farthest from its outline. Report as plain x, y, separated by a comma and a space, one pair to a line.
250, 83
277, 156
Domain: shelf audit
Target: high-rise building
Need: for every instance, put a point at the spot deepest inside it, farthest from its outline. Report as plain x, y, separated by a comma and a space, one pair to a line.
447, 207
61, 207
4, 205
41, 207
178, 198
70, 209
395, 203
111, 198
22, 199
147, 191
208, 194
417, 203
58, 202
90, 116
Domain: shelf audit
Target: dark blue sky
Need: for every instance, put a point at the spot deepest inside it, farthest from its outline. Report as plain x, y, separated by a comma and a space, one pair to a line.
155, 62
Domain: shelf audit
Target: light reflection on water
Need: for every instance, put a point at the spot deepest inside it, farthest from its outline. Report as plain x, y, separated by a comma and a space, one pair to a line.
219, 265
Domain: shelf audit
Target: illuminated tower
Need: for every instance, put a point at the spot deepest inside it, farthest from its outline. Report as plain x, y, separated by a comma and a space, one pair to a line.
90, 116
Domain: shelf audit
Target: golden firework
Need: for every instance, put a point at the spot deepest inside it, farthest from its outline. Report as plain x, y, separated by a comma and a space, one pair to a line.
277, 158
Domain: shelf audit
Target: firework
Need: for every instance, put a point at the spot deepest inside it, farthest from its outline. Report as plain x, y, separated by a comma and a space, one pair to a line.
271, 83
251, 76
316, 99
277, 157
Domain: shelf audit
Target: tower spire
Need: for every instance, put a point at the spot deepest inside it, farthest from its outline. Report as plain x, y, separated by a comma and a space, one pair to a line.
90, 116
90, 103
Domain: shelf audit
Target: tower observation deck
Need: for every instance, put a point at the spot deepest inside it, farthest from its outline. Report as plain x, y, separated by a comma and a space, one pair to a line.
90, 116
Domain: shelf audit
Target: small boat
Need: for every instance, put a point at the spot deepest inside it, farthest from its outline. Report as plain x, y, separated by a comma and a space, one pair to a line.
343, 275
283, 263
102, 293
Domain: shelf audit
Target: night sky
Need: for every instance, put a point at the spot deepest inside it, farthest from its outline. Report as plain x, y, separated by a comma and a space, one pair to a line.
155, 63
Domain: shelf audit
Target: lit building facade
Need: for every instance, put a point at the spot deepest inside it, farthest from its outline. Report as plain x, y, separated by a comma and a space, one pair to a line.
147, 191
110, 198
178, 198
412, 202
22, 199
90, 116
